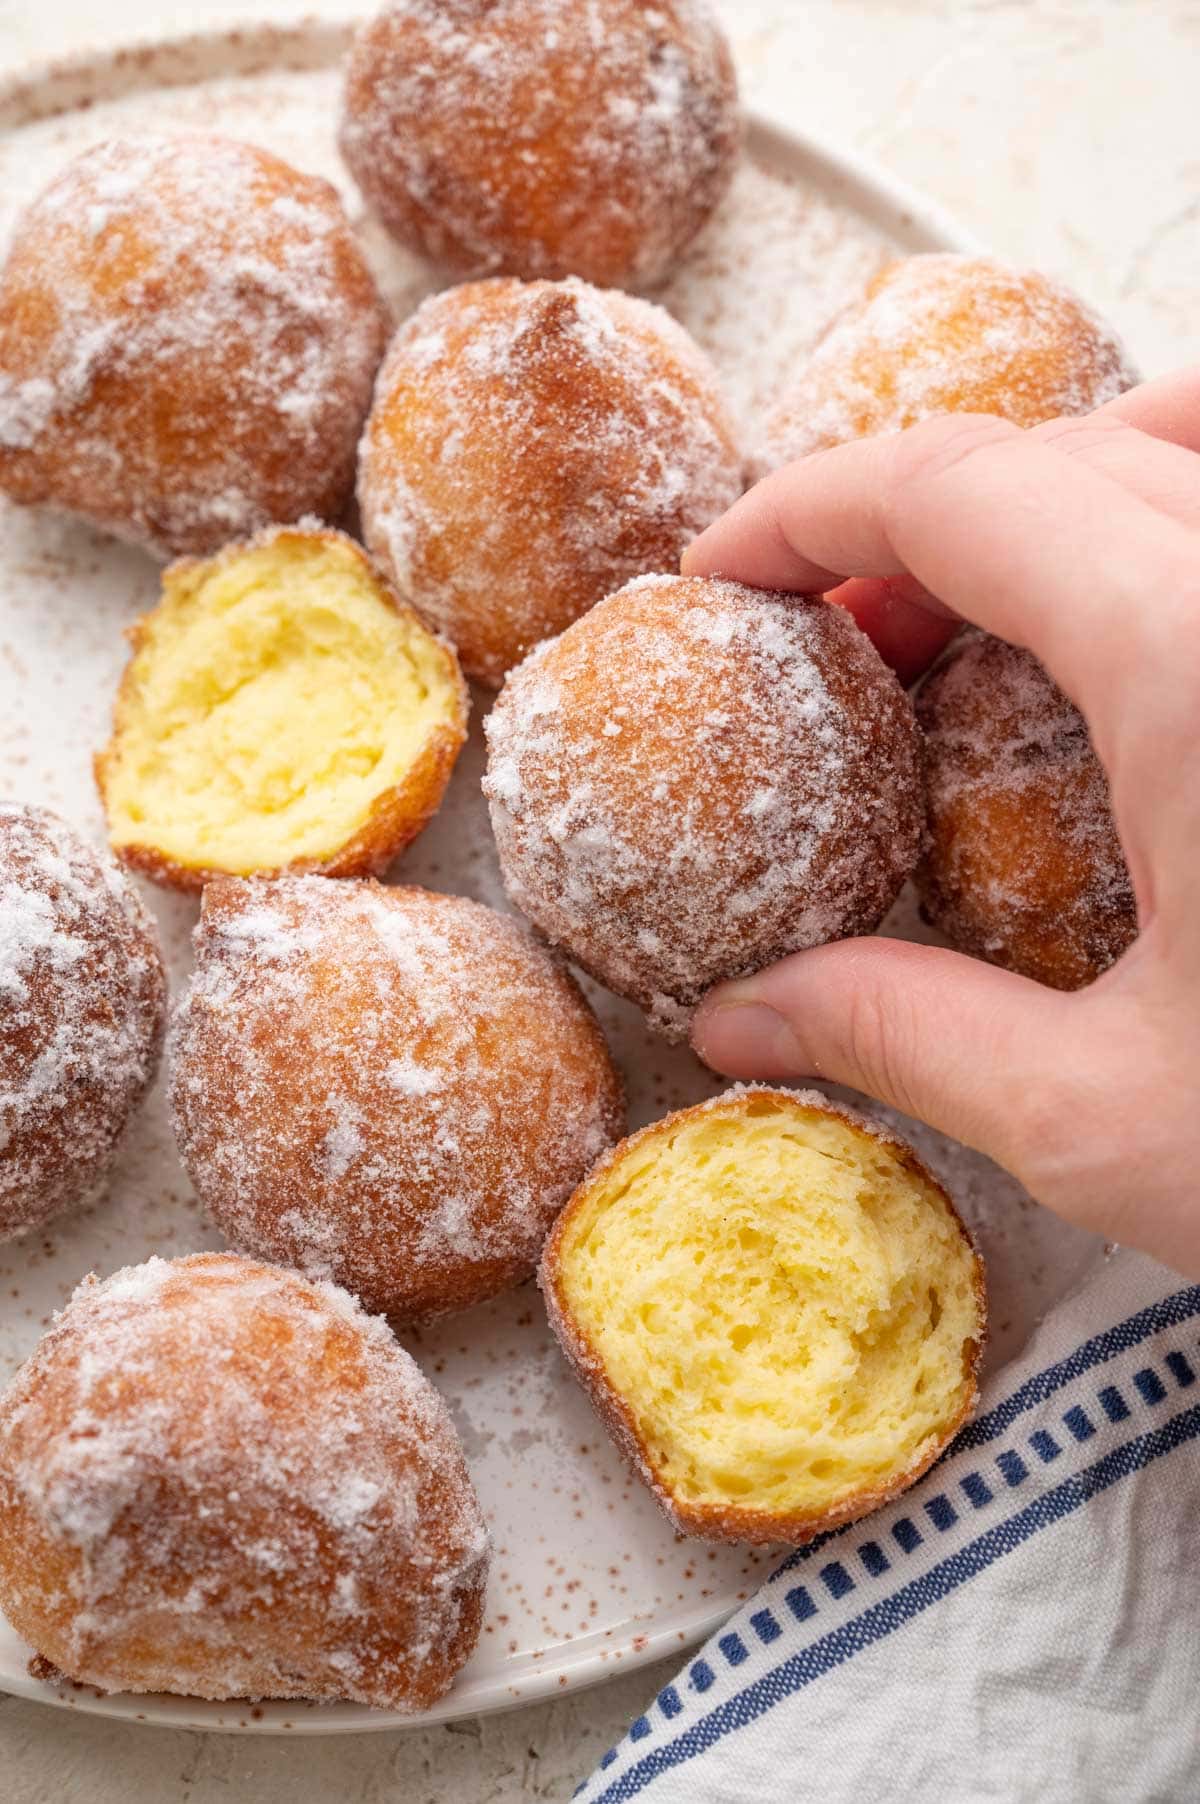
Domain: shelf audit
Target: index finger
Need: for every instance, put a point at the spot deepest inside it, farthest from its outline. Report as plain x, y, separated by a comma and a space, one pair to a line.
910, 627
1167, 408
1006, 529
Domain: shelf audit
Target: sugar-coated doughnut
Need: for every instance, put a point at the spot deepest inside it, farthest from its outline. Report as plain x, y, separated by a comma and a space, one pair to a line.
82, 1002
543, 137
222, 1480
698, 778
392, 1088
188, 337
283, 710
941, 333
775, 1309
1022, 863
532, 446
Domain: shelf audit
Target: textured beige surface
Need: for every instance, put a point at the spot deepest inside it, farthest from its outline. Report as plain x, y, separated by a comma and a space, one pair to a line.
1062, 132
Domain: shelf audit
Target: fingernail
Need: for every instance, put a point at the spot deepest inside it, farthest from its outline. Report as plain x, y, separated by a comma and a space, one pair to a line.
747, 1039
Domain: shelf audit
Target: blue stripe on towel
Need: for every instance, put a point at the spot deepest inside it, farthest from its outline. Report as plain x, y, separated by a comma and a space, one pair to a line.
1149, 1385
891, 1613
1181, 1306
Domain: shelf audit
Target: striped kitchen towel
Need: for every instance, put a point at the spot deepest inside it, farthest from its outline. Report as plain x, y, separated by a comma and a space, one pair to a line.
1022, 1624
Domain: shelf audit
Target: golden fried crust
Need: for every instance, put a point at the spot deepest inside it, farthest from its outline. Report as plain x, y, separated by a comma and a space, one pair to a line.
698, 778
941, 333
394, 1088
543, 138
219, 1480
731, 1522
608, 424
397, 816
188, 337
1022, 864
84, 998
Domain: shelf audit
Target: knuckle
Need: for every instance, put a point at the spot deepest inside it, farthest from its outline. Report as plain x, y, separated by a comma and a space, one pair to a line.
925, 455
1077, 434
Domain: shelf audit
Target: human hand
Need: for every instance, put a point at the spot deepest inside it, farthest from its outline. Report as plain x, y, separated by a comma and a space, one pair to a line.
1079, 540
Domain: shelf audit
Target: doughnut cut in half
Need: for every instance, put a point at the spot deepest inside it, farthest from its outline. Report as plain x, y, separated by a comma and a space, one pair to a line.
775, 1309
283, 712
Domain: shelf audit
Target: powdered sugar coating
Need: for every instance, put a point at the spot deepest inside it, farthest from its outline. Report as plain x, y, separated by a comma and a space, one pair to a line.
698, 778
941, 333
82, 1004
385, 1086
543, 137
188, 336
221, 1480
1022, 864
606, 423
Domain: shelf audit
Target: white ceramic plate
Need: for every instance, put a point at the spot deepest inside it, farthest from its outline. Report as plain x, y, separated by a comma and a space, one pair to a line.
588, 1578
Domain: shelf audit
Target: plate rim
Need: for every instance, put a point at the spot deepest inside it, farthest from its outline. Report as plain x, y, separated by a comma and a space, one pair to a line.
46, 88
318, 42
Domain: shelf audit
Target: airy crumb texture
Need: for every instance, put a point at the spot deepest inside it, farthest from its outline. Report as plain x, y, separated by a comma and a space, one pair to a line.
392, 1088
941, 333
1022, 864
532, 446
221, 1480
698, 778
543, 137
83, 997
774, 1307
188, 337
282, 711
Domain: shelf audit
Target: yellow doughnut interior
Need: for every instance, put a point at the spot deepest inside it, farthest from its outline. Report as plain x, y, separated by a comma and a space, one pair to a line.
275, 694
784, 1306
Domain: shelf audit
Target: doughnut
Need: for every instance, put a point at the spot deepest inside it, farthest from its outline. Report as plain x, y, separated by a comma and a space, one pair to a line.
391, 1088
543, 137
1022, 864
83, 998
282, 711
775, 1310
698, 778
940, 333
531, 446
188, 336
221, 1480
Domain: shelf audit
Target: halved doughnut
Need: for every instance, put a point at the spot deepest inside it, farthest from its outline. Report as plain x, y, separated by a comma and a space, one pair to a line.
775, 1309
283, 711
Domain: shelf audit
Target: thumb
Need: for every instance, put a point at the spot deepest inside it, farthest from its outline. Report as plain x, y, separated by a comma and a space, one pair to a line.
990, 1058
